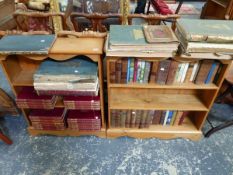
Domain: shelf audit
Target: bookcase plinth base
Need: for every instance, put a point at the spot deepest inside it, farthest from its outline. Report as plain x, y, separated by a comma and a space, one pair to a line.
67, 132
147, 133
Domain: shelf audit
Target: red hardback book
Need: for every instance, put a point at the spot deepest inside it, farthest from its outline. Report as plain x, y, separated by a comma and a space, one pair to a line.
85, 120
162, 72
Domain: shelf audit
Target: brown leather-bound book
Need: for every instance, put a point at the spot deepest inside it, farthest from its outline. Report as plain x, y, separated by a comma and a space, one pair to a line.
123, 118
172, 72
124, 69
177, 117
150, 116
112, 70
138, 118
156, 118
113, 118
128, 119
133, 119
162, 71
153, 71
203, 71
118, 71
144, 115
182, 117
189, 73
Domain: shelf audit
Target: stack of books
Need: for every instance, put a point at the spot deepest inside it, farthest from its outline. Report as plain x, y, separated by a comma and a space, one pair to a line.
132, 70
77, 76
82, 102
138, 40
145, 118
28, 98
205, 36
84, 120
48, 119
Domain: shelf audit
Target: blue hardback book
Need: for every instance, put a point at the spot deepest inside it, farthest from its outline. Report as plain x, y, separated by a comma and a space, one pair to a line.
128, 70
210, 74
26, 44
169, 118
77, 69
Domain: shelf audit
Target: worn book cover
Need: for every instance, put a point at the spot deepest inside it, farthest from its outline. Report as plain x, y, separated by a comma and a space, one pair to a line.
162, 71
156, 118
189, 73
113, 118
162, 118
213, 31
112, 69
118, 70
26, 44
159, 34
128, 119
131, 70
150, 116
124, 64
123, 118
212, 72
154, 70
143, 119
203, 71
147, 72
133, 119
178, 117
138, 118
172, 72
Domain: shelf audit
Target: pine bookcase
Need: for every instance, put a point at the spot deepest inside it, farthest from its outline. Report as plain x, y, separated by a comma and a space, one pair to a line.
19, 70
181, 97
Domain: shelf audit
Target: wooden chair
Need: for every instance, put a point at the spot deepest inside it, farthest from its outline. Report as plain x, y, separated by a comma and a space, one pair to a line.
155, 19
37, 21
7, 106
96, 22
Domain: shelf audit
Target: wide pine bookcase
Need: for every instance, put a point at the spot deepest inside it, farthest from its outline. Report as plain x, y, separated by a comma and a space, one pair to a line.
19, 70
198, 99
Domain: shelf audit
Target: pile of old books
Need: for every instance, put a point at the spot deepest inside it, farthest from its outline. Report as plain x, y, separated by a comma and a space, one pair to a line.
28, 98
82, 102
159, 41
84, 120
77, 76
48, 119
146, 118
205, 36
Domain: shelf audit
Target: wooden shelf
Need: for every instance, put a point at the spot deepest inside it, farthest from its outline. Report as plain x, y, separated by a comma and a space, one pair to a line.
24, 78
183, 102
157, 86
187, 130
67, 132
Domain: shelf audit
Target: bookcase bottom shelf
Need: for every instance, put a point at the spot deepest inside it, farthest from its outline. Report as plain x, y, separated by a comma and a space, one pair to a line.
67, 132
188, 130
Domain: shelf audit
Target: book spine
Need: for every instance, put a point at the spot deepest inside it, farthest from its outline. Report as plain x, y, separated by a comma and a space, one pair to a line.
144, 115
133, 119
123, 118
112, 72
128, 70
128, 119
172, 72
139, 70
166, 117
150, 116
142, 72
189, 73
215, 72
124, 71
154, 70
203, 71
177, 73
173, 118
181, 72
147, 72
162, 117
135, 70
113, 118
157, 117
163, 71
182, 117
184, 72
216, 77
138, 118
210, 74
177, 118
118, 71
131, 69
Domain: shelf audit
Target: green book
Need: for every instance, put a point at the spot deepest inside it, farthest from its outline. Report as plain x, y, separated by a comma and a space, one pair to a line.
215, 31
124, 35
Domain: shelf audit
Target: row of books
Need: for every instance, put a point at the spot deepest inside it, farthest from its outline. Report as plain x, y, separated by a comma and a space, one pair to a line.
77, 76
28, 98
60, 119
128, 70
145, 118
